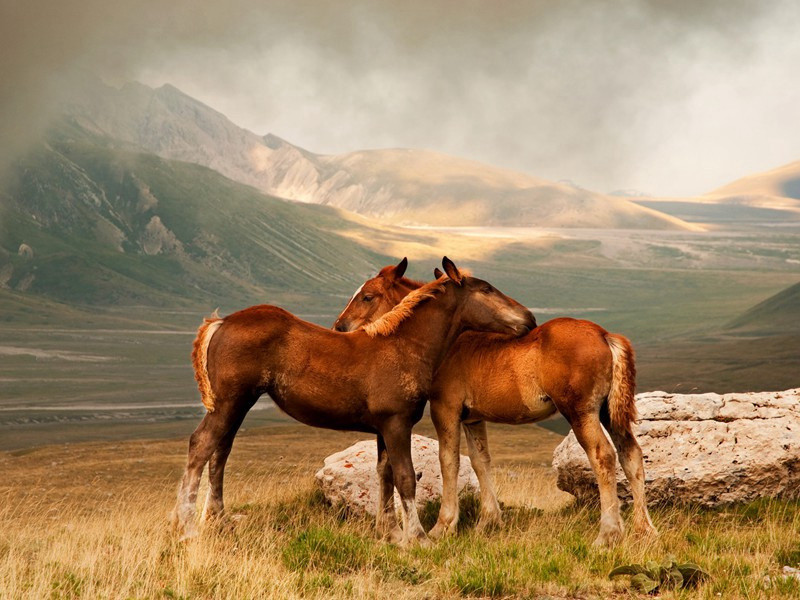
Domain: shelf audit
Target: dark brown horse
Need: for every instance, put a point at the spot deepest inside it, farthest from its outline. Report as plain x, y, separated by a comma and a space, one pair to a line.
569, 365
375, 380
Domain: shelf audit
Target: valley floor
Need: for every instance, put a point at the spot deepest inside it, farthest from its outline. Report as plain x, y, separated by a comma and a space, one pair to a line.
90, 521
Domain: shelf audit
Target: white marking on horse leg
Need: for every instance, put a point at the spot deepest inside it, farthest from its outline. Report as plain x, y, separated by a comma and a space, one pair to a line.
412, 527
449, 441
478, 447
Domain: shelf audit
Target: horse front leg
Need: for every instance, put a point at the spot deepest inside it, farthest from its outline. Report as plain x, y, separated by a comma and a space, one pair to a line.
397, 434
448, 430
478, 446
386, 518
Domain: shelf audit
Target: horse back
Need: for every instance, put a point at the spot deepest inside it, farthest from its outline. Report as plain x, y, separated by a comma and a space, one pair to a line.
318, 376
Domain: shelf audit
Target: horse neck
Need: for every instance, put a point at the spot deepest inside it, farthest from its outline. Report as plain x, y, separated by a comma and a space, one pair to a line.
433, 328
403, 288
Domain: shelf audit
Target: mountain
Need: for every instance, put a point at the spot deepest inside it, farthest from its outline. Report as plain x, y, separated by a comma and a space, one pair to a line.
422, 187
85, 222
398, 185
778, 314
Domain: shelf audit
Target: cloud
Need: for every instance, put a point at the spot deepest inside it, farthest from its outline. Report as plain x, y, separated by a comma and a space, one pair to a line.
673, 97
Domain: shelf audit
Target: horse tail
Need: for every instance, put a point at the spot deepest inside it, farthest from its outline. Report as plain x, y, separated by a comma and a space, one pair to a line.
200, 358
621, 398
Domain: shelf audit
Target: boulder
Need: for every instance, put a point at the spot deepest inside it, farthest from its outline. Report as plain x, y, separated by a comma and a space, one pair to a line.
708, 449
349, 477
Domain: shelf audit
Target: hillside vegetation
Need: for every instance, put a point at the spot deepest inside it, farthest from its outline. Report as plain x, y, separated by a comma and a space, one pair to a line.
87, 223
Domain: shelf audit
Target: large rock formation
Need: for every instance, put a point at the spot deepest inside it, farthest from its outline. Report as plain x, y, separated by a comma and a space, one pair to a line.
708, 449
349, 477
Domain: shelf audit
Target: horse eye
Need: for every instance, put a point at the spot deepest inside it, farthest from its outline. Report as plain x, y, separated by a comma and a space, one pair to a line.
487, 289
367, 298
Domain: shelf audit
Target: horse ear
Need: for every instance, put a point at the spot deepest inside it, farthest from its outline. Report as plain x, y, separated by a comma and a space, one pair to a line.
452, 270
437, 273
401, 267
394, 272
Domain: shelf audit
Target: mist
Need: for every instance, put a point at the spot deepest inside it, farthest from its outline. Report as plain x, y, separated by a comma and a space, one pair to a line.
671, 98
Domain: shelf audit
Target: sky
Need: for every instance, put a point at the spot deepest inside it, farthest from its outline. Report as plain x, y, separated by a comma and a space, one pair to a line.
671, 98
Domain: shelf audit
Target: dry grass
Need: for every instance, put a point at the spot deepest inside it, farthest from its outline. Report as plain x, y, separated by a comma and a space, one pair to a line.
89, 521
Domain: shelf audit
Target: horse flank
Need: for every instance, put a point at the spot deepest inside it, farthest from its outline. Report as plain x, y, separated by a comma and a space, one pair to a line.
200, 358
388, 323
621, 398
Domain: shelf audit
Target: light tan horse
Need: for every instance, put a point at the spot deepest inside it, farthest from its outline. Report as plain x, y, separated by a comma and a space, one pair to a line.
375, 380
567, 365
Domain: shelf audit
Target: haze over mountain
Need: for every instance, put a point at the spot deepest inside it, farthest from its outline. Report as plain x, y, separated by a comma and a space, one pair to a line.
400, 185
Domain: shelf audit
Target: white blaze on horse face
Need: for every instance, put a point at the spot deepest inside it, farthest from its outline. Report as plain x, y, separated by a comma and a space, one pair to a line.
361, 287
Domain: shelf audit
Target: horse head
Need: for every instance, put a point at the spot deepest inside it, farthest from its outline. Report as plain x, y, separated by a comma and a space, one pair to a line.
484, 307
376, 297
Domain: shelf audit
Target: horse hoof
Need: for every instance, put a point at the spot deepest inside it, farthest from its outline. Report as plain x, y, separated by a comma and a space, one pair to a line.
607, 539
421, 540
489, 523
424, 541
188, 535
395, 536
439, 531
646, 532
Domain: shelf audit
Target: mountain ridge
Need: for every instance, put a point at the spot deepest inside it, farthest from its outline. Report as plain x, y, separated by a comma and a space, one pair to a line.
407, 189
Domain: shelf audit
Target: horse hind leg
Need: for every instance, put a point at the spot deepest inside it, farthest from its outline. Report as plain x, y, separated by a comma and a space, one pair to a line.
478, 447
602, 458
202, 444
214, 505
630, 457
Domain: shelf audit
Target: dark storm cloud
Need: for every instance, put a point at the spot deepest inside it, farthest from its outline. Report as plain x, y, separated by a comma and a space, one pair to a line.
670, 96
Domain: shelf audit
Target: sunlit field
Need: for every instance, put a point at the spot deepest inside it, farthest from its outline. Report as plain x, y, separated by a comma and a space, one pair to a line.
90, 521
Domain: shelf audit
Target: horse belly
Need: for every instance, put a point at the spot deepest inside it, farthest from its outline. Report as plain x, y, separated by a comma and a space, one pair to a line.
512, 406
320, 406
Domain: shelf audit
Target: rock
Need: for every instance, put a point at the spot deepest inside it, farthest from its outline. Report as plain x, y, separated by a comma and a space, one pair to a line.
157, 239
25, 251
350, 476
708, 449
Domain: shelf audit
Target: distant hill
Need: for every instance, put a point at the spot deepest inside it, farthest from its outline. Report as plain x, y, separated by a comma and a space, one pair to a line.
88, 223
768, 197
782, 182
778, 314
401, 185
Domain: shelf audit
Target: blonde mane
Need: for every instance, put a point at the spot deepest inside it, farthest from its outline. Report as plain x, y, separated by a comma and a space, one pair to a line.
388, 323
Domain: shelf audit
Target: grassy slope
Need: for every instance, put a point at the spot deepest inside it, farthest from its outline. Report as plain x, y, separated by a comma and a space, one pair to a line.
775, 315
62, 538
85, 207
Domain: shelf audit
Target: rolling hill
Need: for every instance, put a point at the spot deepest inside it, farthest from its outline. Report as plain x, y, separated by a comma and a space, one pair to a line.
398, 185
87, 223
782, 182
769, 197
777, 315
